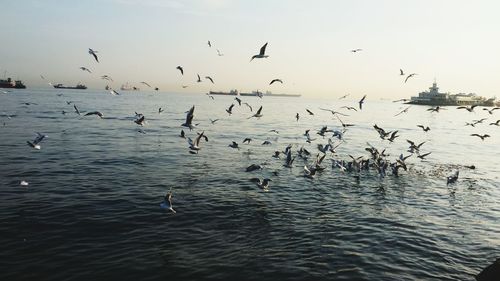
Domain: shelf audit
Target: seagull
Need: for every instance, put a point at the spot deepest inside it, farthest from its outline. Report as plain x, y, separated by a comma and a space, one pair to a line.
209, 44
344, 96
309, 173
189, 119
490, 111
334, 112
264, 184
213, 121
356, 50
238, 100
199, 79
452, 179
258, 114
393, 136
196, 144
276, 80
266, 143
140, 120
247, 140
361, 102
85, 69
249, 106
426, 129
435, 109
234, 145
182, 135
36, 141
253, 167
76, 109
93, 53
403, 111
274, 131
349, 108
496, 123
160, 110
401, 72
261, 53
107, 77
180, 69
310, 112
114, 93
422, 156
482, 137
219, 53
185, 86
145, 84
210, 78
289, 159
297, 116
167, 202
23, 183
409, 76
230, 109
94, 113
413, 147
157, 89
468, 108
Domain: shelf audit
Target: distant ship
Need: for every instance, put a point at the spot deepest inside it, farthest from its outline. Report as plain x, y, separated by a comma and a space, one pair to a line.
78, 86
434, 97
252, 94
127, 87
9, 83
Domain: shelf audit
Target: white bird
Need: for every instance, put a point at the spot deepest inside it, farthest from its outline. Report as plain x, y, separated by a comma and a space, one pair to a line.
195, 145
263, 184
189, 119
23, 183
114, 93
262, 53
167, 202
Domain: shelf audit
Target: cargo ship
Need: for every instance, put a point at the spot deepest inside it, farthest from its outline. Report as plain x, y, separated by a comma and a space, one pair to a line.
9, 83
434, 97
252, 94
78, 86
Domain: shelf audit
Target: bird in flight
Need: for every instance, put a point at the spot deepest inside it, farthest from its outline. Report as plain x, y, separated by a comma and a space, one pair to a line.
230, 109
490, 111
401, 72
344, 96
356, 50
219, 53
496, 123
180, 69
94, 113
468, 108
199, 78
76, 109
36, 141
262, 53
424, 128
258, 114
94, 53
107, 77
85, 69
167, 202
403, 111
310, 112
146, 84
482, 137
276, 80
349, 108
361, 102
409, 76
210, 78
189, 119
209, 44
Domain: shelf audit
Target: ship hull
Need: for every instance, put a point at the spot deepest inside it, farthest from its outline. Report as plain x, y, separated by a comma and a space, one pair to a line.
452, 103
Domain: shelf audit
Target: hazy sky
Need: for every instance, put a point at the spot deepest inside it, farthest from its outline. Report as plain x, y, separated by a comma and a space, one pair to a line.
456, 42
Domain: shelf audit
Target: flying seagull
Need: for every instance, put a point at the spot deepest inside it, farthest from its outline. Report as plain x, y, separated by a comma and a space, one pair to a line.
219, 53
349, 108
490, 111
114, 93
468, 108
482, 137
94, 113
146, 84
238, 100
356, 50
189, 119
361, 102
263, 184
199, 78
234, 145
258, 114
107, 77
426, 129
249, 106
497, 123
297, 116
401, 72
210, 78
310, 112
344, 96
93, 53
180, 69
403, 111
36, 141
333, 112
262, 53
140, 120
76, 109
276, 80
85, 69
230, 109
409, 76
209, 44
195, 145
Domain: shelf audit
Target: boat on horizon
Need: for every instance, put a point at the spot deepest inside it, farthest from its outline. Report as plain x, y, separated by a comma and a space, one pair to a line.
12, 84
78, 86
434, 97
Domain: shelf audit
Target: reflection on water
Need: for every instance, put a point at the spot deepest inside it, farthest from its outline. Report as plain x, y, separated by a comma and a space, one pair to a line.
91, 209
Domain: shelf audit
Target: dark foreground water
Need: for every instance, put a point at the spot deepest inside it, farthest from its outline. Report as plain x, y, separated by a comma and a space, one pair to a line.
91, 210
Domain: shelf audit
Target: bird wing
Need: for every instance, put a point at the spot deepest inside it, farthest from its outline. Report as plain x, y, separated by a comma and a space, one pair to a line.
190, 115
263, 50
76, 109
401, 72
260, 109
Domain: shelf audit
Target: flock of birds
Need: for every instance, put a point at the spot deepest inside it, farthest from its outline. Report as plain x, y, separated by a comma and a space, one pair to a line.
378, 160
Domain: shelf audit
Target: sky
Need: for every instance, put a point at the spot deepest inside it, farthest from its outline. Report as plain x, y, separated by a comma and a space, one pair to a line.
309, 43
